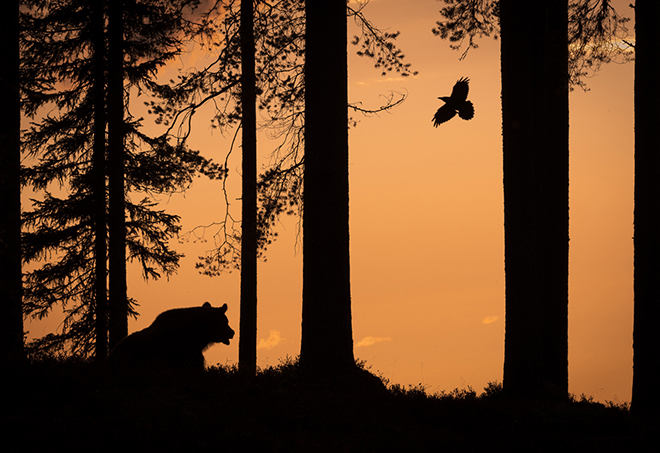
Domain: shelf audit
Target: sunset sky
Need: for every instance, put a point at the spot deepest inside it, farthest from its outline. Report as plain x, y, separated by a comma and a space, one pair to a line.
427, 233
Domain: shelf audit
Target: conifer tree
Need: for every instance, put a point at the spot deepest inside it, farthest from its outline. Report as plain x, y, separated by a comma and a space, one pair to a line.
99, 226
118, 300
63, 91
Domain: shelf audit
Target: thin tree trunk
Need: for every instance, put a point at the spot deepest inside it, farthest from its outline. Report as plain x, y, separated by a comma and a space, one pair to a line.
535, 144
247, 346
117, 220
11, 308
98, 185
326, 337
645, 391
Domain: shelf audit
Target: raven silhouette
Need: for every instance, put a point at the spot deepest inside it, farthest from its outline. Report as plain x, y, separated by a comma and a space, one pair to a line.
456, 103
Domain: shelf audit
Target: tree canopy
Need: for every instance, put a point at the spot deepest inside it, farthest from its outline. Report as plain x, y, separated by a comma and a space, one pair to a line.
597, 33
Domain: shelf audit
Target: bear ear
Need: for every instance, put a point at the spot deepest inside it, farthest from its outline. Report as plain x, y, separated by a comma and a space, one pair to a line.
224, 308
207, 305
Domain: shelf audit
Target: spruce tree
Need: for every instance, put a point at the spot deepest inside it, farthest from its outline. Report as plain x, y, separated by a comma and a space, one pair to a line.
64, 86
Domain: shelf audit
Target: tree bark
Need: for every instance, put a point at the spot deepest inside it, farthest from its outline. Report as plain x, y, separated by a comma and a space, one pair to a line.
11, 308
327, 338
118, 325
534, 55
645, 391
98, 184
247, 346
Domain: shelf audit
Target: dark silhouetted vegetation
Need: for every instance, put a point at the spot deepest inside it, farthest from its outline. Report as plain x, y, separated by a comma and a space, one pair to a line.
597, 32
78, 406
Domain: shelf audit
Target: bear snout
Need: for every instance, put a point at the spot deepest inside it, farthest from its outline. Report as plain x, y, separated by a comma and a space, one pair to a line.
230, 335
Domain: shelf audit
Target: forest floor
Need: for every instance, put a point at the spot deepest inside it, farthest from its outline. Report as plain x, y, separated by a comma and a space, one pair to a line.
81, 406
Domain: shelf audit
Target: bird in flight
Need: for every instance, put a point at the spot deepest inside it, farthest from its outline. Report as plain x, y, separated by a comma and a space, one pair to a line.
456, 103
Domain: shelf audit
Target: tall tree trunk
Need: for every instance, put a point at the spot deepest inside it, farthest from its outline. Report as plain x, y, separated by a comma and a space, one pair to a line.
11, 308
98, 184
247, 346
327, 337
645, 391
117, 220
535, 144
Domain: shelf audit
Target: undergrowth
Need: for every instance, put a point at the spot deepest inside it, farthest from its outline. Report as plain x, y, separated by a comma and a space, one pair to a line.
79, 405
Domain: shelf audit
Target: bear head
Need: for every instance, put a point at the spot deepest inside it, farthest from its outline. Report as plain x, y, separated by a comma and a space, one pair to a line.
218, 324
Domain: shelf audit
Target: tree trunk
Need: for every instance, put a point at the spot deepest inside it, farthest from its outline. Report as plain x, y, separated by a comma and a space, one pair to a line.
535, 144
98, 185
11, 308
645, 391
247, 346
117, 220
327, 337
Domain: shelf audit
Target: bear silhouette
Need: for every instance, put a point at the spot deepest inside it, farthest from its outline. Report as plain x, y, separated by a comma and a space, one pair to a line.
177, 338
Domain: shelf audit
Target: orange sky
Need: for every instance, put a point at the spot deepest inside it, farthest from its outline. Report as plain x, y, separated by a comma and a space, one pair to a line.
427, 236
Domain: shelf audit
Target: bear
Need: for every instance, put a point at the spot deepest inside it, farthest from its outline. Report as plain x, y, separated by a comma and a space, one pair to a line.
177, 338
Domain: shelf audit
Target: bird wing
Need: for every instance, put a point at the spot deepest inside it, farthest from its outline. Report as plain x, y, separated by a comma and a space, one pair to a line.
460, 91
444, 113
466, 110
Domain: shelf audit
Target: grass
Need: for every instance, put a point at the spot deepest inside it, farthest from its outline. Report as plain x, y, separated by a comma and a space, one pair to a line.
76, 405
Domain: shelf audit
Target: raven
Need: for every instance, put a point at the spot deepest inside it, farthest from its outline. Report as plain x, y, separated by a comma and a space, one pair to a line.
457, 102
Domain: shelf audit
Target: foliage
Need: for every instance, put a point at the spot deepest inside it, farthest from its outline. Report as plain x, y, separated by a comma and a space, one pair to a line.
597, 33
469, 19
378, 45
75, 404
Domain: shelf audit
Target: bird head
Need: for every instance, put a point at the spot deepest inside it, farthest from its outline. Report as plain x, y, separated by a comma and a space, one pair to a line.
444, 98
